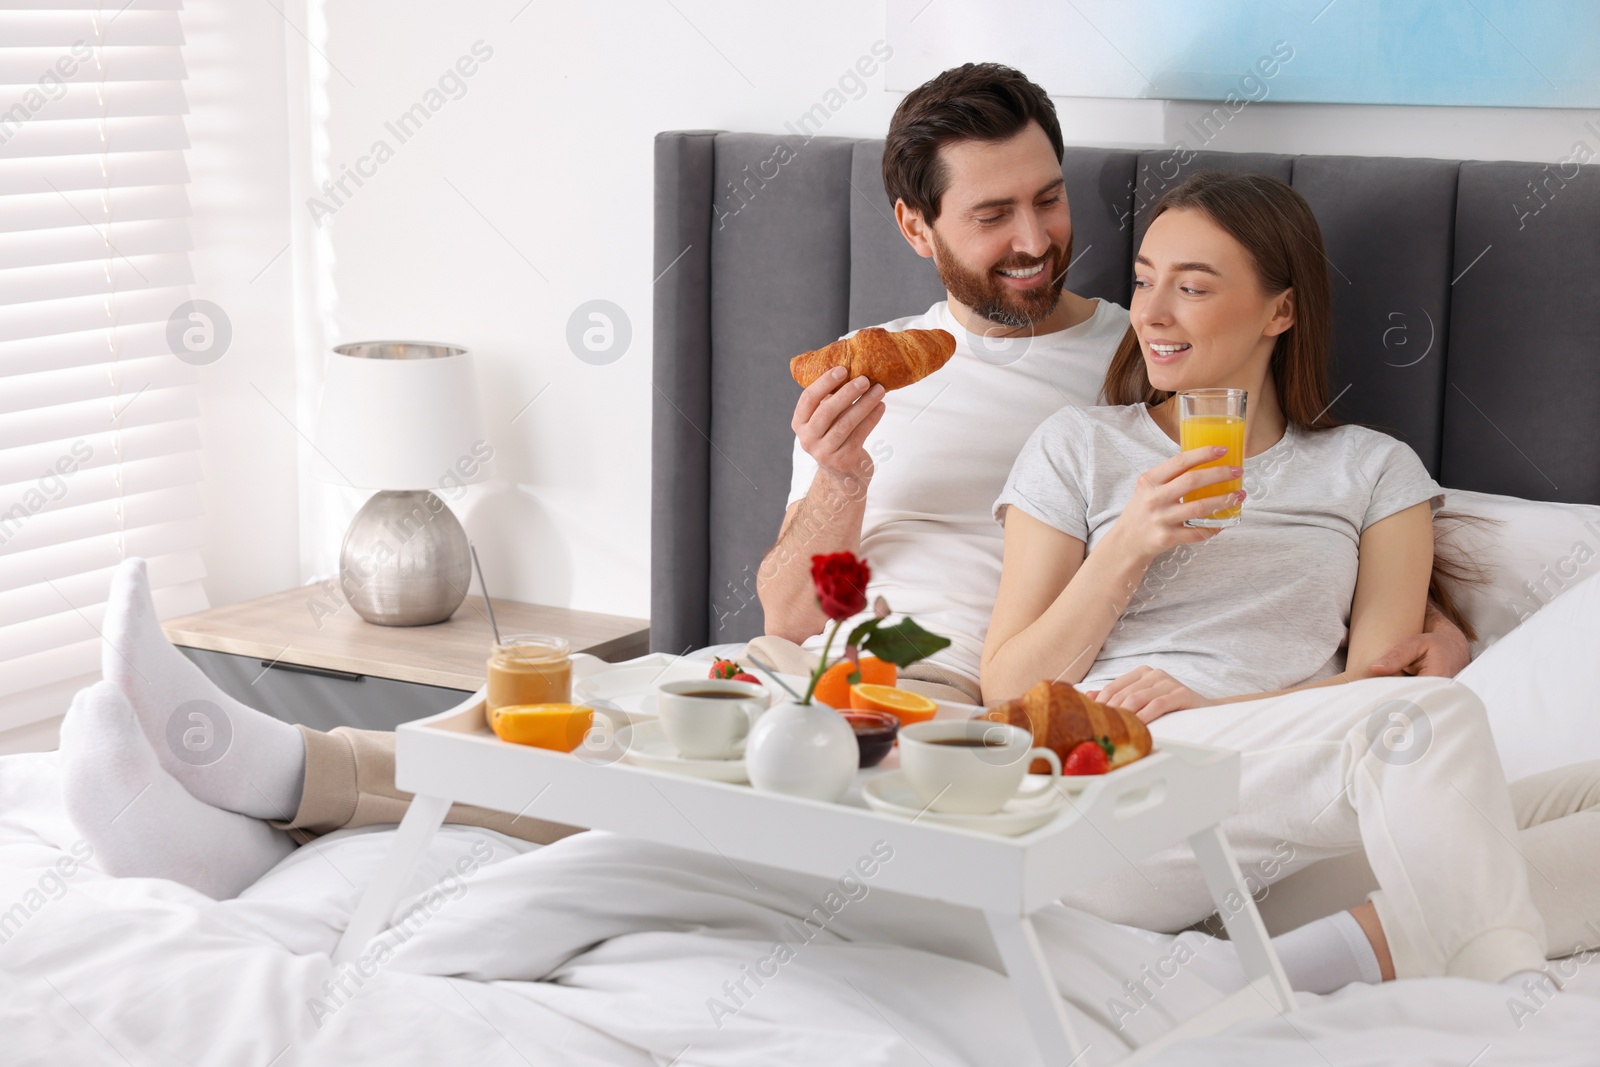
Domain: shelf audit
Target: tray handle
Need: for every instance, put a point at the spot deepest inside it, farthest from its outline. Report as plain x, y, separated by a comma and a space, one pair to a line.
1138, 798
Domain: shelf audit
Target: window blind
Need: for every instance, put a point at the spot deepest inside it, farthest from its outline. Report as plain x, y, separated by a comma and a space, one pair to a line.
99, 434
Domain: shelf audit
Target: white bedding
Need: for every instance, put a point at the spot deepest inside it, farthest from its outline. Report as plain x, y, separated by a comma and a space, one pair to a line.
600, 951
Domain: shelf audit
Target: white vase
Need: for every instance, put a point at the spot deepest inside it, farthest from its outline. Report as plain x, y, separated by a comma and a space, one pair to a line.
805, 750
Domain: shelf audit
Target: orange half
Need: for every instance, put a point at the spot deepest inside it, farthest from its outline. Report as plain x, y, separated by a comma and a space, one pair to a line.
559, 727
903, 704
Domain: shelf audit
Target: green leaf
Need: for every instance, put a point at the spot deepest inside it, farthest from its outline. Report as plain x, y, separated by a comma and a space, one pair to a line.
859, 634
903, 643
1106, 745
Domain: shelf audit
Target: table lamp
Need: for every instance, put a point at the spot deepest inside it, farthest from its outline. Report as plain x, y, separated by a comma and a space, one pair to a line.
402, 417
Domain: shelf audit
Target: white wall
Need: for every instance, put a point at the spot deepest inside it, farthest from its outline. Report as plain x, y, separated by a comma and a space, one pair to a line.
1535, 134
532, 194
238, 190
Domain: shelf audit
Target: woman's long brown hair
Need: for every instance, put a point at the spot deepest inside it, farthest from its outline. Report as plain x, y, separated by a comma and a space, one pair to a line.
1275, 226
1277, 229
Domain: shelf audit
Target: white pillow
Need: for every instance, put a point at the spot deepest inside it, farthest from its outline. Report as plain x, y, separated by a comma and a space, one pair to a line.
1532, 552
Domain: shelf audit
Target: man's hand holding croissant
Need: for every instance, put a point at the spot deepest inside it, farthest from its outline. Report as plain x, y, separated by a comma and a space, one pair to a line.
832, 420
837, 411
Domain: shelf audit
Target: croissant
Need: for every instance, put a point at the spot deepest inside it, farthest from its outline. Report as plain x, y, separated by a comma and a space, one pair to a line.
1061, 718
891, 359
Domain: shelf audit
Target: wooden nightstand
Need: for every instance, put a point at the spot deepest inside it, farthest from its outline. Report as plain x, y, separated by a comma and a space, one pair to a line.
305, 657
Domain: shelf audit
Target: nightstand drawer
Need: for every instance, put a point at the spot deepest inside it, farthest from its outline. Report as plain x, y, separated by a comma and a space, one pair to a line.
322, 699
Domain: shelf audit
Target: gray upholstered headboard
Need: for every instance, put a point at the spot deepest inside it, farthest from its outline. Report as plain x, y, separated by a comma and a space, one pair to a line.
1466, 301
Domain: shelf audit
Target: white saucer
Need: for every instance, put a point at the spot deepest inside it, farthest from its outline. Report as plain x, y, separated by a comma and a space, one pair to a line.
645, 744
892, 794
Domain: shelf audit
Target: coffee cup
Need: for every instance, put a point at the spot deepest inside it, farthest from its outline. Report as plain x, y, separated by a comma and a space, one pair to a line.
973, 766
709, 719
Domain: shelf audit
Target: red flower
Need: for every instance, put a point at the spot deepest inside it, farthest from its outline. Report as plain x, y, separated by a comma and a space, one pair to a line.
841, 583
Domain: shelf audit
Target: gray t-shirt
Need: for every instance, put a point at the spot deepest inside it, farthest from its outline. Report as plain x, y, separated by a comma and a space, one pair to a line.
1264, 605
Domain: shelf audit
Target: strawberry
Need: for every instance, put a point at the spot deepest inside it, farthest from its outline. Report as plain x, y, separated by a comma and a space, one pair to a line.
1087, 757
730, 670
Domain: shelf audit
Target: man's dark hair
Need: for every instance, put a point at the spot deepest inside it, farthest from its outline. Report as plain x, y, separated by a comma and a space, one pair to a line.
973, 102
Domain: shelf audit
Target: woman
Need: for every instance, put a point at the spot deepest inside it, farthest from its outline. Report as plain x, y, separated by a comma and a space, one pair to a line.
1254, 637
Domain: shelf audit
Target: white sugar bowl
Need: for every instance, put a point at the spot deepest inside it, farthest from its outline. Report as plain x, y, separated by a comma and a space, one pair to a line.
805, 750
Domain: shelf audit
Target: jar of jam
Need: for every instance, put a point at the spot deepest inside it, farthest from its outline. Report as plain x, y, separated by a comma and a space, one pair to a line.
530, 669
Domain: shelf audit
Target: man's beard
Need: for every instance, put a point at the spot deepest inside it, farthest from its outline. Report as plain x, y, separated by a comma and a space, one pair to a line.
990, 299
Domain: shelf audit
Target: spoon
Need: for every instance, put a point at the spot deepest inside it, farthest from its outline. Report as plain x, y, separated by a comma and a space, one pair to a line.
770, 673
485, 587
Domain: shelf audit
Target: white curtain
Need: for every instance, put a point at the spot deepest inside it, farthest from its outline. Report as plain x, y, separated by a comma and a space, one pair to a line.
99, 435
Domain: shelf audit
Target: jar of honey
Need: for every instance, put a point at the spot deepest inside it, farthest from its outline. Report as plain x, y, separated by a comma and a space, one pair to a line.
530, 669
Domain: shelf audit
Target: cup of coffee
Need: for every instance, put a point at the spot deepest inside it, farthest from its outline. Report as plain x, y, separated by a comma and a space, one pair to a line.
971, 767
709, 719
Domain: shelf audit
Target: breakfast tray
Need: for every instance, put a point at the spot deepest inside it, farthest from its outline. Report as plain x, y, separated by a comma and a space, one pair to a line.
1181, 792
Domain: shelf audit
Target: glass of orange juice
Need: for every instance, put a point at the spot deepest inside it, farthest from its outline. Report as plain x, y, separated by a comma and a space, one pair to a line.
1214, 417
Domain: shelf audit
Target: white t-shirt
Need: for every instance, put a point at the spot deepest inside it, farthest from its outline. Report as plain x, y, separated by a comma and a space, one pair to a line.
940, 456
1264, 605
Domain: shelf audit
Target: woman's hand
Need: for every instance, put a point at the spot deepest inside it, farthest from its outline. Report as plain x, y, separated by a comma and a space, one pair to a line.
1149, 694
1153, 520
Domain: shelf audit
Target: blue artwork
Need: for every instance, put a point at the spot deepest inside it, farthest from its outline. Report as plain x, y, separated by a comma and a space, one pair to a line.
1479, 53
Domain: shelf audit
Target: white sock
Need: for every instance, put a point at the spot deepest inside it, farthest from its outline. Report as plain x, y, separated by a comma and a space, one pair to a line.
1319, 957
1327, 955
225, 753
140, 822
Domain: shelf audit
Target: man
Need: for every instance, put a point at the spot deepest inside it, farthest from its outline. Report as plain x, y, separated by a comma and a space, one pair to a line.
908, 480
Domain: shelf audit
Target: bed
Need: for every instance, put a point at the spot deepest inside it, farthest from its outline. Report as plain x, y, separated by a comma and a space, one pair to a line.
1455, 325
598, 951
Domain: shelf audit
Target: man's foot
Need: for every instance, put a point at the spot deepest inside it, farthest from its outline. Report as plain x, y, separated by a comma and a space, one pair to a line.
225, 753
140, 822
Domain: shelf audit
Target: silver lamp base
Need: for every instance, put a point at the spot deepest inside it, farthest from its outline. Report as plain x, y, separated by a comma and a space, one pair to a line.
405, 560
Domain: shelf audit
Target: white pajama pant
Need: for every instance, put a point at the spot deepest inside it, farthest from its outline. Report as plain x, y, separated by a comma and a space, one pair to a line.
1428, 804
1475, 877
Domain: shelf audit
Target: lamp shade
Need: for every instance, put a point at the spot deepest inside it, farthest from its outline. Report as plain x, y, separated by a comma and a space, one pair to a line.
399, 415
